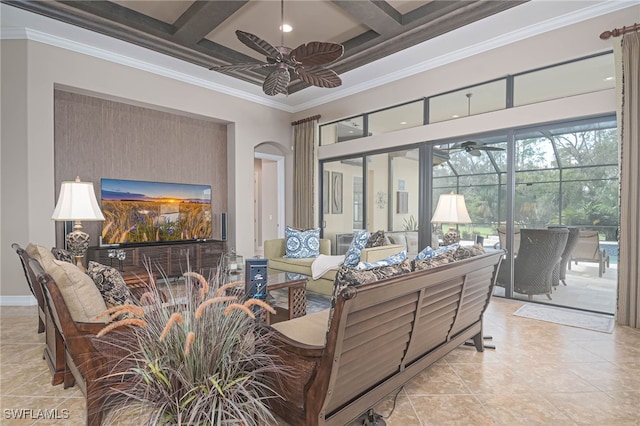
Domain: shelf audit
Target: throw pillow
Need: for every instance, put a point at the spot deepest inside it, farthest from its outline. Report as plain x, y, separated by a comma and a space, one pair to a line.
428, 252
302, 244
111, 285
83, 299
41, 254
387, 261
352, 256
376, 239
62, 254
347, 276
433, 262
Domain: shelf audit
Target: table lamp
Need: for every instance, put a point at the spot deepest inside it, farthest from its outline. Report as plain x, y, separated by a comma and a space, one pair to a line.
451, 209
77, 202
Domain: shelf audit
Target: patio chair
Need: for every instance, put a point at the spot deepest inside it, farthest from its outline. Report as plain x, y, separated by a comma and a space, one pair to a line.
587, 249
539, 253
502, 235
560, 272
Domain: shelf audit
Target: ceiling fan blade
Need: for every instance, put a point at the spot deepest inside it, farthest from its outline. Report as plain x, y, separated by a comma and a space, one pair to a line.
240, 67
256, 43
490, 148
319, 77
277, 81
316, 53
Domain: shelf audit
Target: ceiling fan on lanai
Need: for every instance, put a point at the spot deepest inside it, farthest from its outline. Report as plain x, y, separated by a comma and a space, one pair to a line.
472, 148
305, 61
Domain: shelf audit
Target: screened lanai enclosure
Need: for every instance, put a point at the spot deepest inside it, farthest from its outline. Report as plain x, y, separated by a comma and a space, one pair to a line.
557, 175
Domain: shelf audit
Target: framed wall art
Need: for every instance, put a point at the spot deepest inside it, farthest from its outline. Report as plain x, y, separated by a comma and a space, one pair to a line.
336, 192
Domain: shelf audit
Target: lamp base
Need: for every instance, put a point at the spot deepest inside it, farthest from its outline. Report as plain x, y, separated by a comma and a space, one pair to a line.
451, 237
78, 243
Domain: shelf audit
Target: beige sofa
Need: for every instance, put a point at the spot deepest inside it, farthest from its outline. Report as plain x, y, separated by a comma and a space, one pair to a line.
274, 251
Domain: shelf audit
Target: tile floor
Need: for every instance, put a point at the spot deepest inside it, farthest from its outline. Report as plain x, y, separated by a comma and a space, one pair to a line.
541, 373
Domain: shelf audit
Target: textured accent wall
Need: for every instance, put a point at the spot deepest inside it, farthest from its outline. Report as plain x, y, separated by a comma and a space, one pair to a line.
97, 138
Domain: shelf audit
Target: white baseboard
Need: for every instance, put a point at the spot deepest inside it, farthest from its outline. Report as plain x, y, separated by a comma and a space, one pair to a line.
18, 301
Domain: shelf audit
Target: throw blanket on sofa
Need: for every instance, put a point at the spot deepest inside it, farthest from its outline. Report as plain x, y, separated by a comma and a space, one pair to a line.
324, 263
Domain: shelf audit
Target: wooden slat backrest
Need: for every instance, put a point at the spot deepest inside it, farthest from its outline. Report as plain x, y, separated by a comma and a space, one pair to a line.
382, 327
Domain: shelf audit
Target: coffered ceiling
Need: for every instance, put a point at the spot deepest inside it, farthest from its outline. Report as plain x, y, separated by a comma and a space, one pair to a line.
382, 39
203, 32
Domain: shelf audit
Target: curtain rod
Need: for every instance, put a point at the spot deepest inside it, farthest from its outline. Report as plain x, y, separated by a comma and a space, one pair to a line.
619, 31
304, 120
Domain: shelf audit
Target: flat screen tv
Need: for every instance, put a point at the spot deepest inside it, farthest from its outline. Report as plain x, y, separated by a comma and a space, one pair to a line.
151, 212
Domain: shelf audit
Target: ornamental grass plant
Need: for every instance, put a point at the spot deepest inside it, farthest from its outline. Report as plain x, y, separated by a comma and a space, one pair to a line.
198, 359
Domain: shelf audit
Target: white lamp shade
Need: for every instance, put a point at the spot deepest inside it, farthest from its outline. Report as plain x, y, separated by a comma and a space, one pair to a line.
451, 209
77, 201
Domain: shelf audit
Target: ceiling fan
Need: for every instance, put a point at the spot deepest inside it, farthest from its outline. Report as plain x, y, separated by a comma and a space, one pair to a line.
472, 148
305, 61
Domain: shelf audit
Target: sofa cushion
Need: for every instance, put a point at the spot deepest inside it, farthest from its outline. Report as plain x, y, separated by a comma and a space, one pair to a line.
81, 295
302, 244
299, 266
347, 276
360, 238
376, 239
41, 254
111, 285
394, 259
308, 329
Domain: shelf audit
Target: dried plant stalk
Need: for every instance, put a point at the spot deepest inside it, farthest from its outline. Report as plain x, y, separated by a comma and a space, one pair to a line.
233, 306
211, 301
175, 317
125, 322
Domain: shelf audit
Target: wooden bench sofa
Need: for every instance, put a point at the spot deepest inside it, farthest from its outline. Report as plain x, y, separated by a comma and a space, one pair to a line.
377, 337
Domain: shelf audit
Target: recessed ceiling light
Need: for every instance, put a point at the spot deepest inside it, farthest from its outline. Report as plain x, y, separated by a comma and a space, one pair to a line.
608, 79
403, 122
455, 116
286, 28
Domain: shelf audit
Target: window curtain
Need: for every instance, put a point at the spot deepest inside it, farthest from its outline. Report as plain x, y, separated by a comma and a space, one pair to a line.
628, 311
304, 160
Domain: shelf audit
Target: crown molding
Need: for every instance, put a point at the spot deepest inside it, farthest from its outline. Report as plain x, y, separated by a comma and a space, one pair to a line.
356, 81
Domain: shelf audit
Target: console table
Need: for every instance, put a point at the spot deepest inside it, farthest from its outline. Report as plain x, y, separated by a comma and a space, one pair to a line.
174, 258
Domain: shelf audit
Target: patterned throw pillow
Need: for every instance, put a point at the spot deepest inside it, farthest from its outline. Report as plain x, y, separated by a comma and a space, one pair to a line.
352, 256
449, 256
433, 262
388, 261
347, 276
301, 244
62, 254
428, 252
376, 239
111, 285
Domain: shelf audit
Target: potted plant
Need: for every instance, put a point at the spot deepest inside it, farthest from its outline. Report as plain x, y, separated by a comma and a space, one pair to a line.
199, 359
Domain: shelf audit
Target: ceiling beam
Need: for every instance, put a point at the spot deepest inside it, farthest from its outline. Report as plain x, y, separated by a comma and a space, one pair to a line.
376, 15
202, 17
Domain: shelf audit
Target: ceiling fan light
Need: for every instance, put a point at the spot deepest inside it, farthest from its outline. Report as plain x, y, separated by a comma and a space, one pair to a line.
286, 28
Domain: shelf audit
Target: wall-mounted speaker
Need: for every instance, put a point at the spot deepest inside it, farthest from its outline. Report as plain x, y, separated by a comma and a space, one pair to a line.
255, 281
